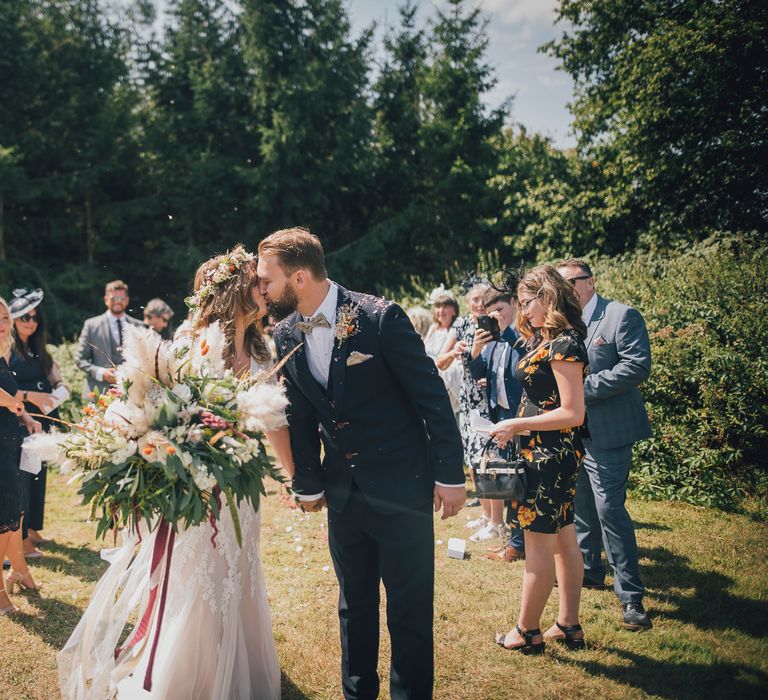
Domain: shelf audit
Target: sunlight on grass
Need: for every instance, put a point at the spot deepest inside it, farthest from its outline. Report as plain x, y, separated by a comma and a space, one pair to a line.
706, 574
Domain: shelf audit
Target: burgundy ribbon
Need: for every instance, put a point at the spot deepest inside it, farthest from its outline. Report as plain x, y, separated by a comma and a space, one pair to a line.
163, 548
212, 517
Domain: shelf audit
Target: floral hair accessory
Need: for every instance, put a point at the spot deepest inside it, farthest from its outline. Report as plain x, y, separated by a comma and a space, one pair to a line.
227, 268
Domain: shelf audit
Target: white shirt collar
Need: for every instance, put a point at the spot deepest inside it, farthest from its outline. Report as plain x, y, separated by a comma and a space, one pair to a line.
328, 307
589, 309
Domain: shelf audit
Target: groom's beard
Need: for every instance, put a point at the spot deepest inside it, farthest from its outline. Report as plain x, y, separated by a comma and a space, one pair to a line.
285, 305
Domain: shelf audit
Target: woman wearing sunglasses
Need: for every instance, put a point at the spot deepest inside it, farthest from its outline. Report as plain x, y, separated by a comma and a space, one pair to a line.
42, 390
11, 415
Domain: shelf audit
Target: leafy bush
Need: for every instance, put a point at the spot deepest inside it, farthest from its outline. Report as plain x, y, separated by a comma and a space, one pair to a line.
708, 391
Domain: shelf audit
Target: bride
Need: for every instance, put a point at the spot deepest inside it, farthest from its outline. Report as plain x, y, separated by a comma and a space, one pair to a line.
216, 638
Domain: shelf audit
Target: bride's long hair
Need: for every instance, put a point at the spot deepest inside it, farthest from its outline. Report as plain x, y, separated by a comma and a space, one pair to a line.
229, 301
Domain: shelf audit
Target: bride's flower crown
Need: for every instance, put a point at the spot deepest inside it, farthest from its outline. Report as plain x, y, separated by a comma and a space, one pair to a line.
227, 268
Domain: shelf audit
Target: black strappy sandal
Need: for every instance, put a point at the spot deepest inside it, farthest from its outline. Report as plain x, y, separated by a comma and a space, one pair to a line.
529, 647
572, 642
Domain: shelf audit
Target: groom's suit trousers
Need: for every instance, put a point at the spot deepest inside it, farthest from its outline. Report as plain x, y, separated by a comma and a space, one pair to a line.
368, 547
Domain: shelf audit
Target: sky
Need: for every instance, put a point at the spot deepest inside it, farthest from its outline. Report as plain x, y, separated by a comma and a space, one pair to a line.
516, 29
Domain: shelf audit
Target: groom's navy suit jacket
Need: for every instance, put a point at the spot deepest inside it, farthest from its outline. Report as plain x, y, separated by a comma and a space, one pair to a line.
385, 423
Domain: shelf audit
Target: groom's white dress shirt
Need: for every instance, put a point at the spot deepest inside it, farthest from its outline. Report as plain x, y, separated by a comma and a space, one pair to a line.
318, 345
318, 348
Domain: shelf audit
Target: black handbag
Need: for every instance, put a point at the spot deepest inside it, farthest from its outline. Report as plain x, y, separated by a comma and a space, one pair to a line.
501, 474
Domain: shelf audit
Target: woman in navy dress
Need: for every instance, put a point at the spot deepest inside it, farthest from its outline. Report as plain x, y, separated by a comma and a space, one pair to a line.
11, 413
41, 388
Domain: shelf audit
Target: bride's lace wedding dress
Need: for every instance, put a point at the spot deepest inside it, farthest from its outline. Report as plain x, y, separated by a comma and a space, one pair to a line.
216, 636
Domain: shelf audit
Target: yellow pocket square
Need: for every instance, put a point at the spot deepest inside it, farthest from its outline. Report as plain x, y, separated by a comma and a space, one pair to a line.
357, 358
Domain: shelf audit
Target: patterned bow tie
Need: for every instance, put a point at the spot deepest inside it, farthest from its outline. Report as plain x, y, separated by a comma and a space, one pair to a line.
319, 321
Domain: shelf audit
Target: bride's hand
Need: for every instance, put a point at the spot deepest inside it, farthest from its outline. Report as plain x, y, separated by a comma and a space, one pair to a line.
505, 430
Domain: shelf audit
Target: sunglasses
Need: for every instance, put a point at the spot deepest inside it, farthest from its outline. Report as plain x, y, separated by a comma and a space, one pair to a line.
573, 280
26, 318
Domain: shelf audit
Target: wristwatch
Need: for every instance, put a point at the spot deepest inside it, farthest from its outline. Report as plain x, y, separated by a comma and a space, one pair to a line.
25, 396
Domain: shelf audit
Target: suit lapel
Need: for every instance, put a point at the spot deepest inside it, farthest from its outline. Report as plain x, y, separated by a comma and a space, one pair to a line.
338, 368
597, 318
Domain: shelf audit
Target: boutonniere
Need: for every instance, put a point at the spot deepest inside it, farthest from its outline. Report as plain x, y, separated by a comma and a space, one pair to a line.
347, 322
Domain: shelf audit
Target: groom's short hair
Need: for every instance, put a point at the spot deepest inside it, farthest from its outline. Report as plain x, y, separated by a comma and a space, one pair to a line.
296, 248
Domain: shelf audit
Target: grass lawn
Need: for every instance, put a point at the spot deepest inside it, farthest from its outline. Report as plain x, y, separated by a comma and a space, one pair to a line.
706, 574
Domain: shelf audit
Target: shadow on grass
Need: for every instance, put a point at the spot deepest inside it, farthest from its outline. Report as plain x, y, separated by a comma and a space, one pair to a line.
651, 526
55, 622
711, 606
666, 679
81, 562
290, 690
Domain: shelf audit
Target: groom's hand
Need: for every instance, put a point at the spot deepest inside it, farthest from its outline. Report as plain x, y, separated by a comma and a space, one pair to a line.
451, 498
313, 506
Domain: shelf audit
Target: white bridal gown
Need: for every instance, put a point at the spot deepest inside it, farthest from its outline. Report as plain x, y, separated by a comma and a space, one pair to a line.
216, 638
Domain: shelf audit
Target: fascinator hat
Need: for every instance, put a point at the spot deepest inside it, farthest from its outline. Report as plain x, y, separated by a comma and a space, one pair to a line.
24, 300
440, 295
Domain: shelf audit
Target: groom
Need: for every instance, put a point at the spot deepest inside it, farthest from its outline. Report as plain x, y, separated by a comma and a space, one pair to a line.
362, 385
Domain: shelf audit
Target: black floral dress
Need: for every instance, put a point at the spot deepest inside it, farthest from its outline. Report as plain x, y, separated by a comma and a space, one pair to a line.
554, 456
472, 397
10, 452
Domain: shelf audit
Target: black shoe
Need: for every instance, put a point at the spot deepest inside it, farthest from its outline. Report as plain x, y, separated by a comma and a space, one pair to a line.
472, 503
635, 617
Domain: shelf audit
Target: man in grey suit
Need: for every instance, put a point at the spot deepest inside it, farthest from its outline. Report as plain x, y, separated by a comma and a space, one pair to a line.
619, 361
99, 349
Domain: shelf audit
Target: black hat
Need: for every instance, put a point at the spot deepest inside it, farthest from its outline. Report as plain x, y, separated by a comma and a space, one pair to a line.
24, 300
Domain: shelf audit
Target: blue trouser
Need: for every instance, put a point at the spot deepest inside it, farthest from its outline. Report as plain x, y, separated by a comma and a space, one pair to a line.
602, 520
516, 538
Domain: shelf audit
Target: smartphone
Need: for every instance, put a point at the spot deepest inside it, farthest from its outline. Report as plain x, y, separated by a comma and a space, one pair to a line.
490, 324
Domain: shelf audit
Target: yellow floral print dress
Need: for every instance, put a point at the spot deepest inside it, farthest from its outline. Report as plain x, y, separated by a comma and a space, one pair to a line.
553, 456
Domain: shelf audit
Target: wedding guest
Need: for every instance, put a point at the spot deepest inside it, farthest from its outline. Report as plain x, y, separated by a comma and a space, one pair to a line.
42, 389
157, 316
619, 361
11, 414
496, 361
99, 349
445, 312
552, 411
420, 319
472, 398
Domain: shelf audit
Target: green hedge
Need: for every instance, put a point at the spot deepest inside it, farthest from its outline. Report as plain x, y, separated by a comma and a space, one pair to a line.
707, 396
706, 310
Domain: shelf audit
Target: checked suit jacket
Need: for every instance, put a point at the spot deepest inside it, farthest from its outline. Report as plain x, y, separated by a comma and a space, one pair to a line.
385, 421
619, 353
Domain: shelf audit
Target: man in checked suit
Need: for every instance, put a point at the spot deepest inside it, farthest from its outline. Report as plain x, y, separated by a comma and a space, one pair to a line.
99, 349
360, 383
619, 361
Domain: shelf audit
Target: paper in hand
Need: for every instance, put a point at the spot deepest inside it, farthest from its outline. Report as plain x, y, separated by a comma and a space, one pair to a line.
480, 424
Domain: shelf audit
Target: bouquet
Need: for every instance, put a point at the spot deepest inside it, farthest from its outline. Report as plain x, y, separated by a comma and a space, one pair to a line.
177, 434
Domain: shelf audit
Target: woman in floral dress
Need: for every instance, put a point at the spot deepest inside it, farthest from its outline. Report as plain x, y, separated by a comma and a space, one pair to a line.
549, 421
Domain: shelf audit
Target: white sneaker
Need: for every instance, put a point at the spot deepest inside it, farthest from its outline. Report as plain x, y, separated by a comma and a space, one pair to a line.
482, 521
490, 532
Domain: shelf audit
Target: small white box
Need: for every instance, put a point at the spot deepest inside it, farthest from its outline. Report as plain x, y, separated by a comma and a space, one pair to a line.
456, 547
